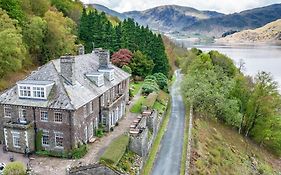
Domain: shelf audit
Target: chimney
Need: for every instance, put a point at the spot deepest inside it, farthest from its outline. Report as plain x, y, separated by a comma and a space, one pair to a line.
104, 58
81, 50
67, 67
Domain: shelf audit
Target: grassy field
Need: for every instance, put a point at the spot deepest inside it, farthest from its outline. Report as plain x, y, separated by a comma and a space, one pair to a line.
115, 150
217, 149
155, 147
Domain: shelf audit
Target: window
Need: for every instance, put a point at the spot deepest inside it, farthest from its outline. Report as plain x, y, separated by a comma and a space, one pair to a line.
91, 107
31, 91
103, 118
102, 100
44, 116
7, 112
59, 139
85, 110
58, 117
16, 139
45, 138
25, 91
22, 115
38, 92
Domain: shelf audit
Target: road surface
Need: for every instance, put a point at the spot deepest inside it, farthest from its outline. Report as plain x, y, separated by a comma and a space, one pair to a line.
168, 161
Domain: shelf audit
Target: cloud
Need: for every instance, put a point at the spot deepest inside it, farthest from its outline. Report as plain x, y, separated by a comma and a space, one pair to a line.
224, 6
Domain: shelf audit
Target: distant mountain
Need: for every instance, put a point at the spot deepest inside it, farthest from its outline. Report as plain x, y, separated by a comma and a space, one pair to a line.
270, 33
173, 18
249, 19
170, 17
108, 11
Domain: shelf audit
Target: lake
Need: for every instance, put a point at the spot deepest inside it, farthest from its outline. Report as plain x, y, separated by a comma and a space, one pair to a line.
256, 57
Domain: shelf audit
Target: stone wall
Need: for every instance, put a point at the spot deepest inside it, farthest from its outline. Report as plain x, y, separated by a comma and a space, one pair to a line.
138, 143
92, 169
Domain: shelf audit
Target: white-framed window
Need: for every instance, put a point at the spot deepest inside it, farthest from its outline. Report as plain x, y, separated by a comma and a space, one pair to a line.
38, 92
45, 138
85, 110
59, 139
102, 100
22, 115
108, 96
7, 112
58, 117
91, 107
25, 91
103, 119
16, 139
113, 92
44, 116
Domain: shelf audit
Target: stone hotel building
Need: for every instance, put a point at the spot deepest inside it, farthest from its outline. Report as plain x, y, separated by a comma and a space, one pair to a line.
65, 101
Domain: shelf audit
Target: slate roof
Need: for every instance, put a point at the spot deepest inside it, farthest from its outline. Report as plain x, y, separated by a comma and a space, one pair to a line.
63, 95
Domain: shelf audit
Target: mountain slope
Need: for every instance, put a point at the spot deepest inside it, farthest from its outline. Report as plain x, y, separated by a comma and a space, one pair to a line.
268, 33
108, 11
170, 17
248, 19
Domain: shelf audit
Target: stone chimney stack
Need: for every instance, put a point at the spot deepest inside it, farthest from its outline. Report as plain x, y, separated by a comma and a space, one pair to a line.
81, 50
67, 66
104, 58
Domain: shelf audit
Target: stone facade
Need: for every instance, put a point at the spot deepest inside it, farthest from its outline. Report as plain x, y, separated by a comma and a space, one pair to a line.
73, 110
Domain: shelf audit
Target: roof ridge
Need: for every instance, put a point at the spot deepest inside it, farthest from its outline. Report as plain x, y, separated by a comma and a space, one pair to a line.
60, 81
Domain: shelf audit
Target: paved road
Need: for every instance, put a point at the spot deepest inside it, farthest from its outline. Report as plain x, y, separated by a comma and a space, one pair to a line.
168, 161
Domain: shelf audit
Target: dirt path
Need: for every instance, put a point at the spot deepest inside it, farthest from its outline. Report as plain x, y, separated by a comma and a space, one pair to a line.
56, 166
168, 161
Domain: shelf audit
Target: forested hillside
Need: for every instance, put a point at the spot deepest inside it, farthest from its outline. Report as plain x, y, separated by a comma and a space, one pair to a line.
218, 90
96, 29
33, 32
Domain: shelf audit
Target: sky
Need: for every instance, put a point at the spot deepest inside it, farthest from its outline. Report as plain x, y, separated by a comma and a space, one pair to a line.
224, 6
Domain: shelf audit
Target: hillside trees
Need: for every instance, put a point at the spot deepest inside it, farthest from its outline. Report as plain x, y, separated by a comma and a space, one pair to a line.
141, 65
217, 89
12, 50
60, 39
96, 28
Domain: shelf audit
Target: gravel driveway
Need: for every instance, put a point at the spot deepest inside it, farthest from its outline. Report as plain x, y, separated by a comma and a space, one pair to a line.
168, 161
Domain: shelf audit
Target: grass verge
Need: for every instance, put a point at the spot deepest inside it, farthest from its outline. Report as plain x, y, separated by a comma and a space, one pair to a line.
135, 87
136, 108
155, 147
115, 150
185, 143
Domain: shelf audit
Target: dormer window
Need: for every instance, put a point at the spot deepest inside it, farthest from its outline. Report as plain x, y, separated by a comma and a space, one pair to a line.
25, 91
38, 92
96, 78
34, 89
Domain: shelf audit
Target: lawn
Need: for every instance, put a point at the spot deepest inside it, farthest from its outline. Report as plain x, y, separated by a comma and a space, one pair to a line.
135, 87
136, 108
155, 147
115, 150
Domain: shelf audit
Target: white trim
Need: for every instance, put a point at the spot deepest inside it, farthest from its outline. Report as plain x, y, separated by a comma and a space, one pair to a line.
26, 139
5, 107
32, 96
41, 115
5, 137
17, 133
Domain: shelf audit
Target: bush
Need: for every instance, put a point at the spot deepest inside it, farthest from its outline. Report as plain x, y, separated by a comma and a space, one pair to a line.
161, 80
99, 132
75, 153
115, 150
15, 168
150, 85
79, 152
127, 69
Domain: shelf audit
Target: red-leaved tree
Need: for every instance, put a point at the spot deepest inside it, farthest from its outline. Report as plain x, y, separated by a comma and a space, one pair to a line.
122, 57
